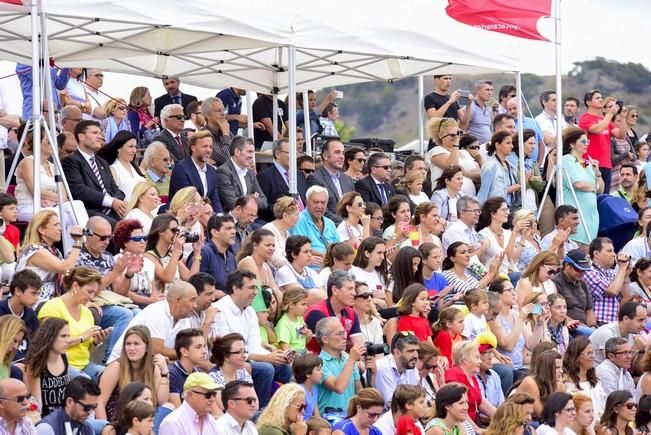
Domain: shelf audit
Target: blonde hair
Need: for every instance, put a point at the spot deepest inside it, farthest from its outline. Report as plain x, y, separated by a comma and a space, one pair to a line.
137, 95
531, 272
608, 100
640, 189
182, 198
292, 296
112, 104
508, 417
461, 351
275, 412
39, 220
140, 189
82, 275
284, 205
435, 125
10, 326
523, 214
409, 178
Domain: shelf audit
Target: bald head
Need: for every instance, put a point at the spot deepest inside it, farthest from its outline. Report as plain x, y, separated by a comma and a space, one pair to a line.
179, 289
13, 401
182, 299
512, 107
97, 223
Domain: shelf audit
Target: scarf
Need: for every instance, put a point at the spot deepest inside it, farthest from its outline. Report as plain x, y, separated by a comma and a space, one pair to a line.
112, 128
144, 116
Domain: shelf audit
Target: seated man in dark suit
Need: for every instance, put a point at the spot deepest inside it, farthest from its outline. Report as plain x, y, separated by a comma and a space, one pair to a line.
195, 171
235, 178
173, 96
172, 119
331, 176
274, 180
90, 178
376, 186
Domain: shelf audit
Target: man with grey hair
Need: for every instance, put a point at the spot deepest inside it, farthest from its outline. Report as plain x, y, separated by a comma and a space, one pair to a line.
14, 405
70, 116
313, 223
339, 304
481, 119
341, 378
274, 180
463, 230
172, 119
217, 124
613, 371
235, 178
157, 165
97, 99
173, 95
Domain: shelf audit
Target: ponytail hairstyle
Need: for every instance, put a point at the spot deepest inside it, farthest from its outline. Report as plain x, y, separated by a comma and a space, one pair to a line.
336, 251
255, 238
365, 399
451, 252
290, 297
497, 137
446, 316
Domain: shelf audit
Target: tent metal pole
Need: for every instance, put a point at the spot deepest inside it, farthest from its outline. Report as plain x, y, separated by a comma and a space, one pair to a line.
249, 115
523, 177
421, 115
37, 102
307, 126
274, 98
291, 102
559, 108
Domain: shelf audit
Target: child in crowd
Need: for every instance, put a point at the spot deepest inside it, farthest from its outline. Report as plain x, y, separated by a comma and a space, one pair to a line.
447, 331
308, 372
338, 256
413, 311
291, 331
475, 322
412, 412
261, 305
318, 426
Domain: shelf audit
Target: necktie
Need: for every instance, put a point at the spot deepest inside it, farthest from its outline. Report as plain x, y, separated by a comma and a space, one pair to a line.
299, 201
95, 169
383, 193
176, 99
180, 144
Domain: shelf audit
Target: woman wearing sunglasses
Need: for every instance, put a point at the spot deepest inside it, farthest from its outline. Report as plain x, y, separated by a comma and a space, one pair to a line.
619, 412
354, 162
130, 238
284, 413
356, 224
537, 276
449, 152
120, 154
116, 118
364, 409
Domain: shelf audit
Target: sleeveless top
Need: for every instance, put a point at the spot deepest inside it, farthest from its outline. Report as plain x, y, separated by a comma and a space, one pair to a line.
47, 183
164, 261
53, 388
516, 354
438, 422
51, 281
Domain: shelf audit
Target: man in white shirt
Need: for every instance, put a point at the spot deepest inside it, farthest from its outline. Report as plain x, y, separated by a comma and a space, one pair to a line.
631, 321
404, 395
639, 247
94, 81
399, 367
164, 319
237, 315
613, 372
240, 405
566, 218
546, 120
463, 230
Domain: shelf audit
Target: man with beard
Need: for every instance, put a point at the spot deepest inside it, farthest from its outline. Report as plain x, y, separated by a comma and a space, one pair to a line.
399, 367
570, 110
627, 179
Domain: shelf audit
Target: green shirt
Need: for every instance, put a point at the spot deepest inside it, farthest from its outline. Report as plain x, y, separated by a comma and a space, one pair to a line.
287, 332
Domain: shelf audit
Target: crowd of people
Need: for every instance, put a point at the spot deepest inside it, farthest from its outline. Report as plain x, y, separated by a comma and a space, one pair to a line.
195, 294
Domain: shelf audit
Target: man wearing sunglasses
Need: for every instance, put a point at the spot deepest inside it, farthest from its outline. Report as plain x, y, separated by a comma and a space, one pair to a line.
80, 400
14, 400
193, 416
172, 119
376, 186
94, 81
240, 405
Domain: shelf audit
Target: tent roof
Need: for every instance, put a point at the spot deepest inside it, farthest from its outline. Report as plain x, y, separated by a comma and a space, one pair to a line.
218, 43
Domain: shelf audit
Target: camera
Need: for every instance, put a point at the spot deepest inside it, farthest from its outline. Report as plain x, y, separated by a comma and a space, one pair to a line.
373, 349
189, 237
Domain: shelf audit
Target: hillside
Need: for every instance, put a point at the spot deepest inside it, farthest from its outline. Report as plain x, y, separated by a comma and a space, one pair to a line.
391, 110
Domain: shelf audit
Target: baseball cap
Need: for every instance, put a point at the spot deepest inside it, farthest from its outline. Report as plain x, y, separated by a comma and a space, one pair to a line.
578, 259
201, 380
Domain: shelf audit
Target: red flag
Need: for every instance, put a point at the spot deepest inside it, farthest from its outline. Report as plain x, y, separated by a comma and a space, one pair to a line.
513, 17
13, 2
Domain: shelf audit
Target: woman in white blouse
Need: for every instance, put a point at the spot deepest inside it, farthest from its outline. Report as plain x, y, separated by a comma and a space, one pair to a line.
143, 204
356, 224
286, 213
119, 154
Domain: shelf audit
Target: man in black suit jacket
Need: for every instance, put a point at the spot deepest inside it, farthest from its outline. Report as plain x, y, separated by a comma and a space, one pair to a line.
274, 180
186, 173
89, 176
229, 175
331, 176
172, 119
173, 96
376, 187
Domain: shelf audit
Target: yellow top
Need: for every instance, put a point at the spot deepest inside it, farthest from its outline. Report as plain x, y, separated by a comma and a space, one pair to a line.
79, 354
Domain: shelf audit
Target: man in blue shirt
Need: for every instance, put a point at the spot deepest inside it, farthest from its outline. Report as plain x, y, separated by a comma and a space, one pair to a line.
530, 123
232, 100
59, 81
216, 257
190, 348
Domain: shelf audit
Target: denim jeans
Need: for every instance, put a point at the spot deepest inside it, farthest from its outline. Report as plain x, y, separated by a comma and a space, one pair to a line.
118, 317
581, 330
264, 374
91, 371
505, 372
161, 413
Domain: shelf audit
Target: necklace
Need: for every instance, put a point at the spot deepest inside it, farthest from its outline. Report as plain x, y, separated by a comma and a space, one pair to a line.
499, 233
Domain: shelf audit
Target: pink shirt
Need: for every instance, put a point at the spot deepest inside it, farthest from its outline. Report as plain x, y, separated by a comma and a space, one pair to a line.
184, 420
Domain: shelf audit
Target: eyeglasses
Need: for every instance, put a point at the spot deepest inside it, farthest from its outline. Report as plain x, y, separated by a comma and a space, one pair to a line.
362, 161
248, 400
138, 238
87, 407
121, 107
364, 296
630, 405
550, 269
103, 238
301, 407
588, 354
385, 167
373, 415
307, 171
206, 394
239, 352
338, 333
457, 133
18, 399
473, 147
99, 76
178, 117
584, 141
624, 352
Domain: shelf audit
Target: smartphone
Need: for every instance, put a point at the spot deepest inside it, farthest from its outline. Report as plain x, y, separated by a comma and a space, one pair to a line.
620, 103
339, 94
537, 309
530, 224
290, 355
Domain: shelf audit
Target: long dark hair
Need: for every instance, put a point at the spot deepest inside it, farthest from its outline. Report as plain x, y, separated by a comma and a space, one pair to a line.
41, 344
545, 373
392, 208
129, 393
527, 134
159, 224
361, 260
615, 400
451, 252
109, 151
402, 271
255, 238
490, 206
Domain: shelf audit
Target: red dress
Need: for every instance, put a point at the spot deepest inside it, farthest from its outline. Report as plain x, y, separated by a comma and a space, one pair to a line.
456, 374
416, 324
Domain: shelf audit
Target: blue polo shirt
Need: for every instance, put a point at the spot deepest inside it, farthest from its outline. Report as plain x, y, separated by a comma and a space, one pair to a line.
306, 227
333, 366
178, 375
481, 122
215, 263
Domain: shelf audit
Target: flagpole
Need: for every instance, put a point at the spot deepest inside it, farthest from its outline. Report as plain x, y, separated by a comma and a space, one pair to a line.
559, 105
523, 178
